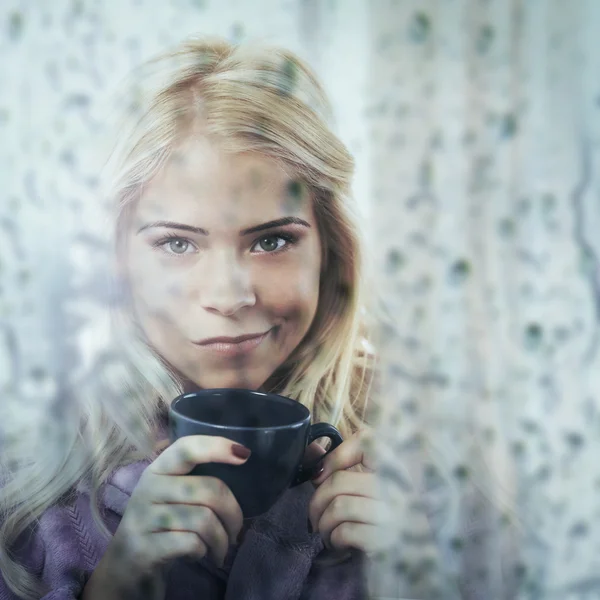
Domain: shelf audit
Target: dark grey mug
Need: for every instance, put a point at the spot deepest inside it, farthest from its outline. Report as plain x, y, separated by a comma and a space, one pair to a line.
276, 429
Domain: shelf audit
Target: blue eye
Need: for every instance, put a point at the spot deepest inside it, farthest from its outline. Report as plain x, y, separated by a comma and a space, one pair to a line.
178, 246
269, 244
174, 245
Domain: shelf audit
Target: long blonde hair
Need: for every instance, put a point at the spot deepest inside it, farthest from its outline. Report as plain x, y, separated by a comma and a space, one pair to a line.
253, 98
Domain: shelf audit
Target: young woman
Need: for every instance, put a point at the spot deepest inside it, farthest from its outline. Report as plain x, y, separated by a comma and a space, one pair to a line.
240, 265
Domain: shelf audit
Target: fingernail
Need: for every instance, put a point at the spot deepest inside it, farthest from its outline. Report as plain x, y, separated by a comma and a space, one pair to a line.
318, 473
240, 451
309, 525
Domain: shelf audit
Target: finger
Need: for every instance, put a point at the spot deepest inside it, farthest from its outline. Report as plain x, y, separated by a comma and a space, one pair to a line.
195, 519
349, 483
354, 535
312, 454
349, 453
202, 491
352, 509
188, 451
167, 545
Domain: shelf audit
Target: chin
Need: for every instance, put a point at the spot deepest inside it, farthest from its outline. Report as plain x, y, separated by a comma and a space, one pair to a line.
233, 380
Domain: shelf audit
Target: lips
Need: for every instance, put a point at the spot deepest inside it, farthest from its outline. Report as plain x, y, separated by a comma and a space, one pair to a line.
230, 340
233, 346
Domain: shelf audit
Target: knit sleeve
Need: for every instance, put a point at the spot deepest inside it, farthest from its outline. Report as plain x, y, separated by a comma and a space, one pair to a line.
61, 551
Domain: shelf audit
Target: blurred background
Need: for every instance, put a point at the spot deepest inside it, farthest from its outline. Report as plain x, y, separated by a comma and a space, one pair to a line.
475, 126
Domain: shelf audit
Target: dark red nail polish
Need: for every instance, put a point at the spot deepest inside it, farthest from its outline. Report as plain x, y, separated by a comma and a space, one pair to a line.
240, 451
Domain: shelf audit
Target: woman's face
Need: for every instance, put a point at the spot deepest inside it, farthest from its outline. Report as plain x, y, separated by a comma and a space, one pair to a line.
223, 260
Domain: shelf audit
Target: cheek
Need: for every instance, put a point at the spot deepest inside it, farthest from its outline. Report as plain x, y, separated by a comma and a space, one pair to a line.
292, 294
152, 286
291, 289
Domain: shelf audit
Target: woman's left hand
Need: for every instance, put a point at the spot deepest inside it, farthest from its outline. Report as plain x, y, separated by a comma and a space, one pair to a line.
346, 509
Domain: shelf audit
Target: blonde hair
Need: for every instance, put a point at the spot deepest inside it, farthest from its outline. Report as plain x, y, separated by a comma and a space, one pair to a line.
252, 98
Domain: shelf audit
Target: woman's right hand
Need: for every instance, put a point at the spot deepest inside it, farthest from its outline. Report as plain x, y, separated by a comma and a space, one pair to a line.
171, 514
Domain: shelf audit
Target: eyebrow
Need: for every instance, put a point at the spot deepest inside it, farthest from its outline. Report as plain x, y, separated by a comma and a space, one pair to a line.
255, 229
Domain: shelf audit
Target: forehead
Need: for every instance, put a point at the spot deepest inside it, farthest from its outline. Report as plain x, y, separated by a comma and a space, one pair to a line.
202, 181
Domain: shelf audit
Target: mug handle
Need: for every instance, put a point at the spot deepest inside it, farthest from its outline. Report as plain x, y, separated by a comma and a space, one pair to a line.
316, 431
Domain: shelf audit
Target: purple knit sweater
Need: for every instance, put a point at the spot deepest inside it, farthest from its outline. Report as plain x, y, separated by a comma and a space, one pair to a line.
277, 558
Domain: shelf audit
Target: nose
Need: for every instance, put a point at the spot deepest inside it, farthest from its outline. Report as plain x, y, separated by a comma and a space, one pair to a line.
227, 287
